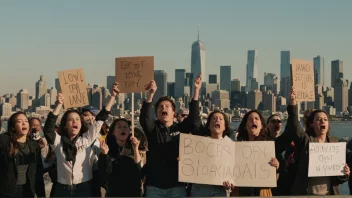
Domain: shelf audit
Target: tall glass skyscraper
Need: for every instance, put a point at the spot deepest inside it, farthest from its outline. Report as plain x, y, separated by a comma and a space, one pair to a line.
225, 78
198, 60
318, 70
252, 69
285, 74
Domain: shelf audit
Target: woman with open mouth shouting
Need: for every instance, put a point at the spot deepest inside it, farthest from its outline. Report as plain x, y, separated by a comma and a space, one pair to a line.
318, 131
73, 147
252, 128
217, 127
120, 170
20, 160
163, 141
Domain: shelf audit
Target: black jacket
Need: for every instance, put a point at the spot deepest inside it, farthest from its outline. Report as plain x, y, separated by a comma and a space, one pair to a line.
163, 145
301, 139
8, 170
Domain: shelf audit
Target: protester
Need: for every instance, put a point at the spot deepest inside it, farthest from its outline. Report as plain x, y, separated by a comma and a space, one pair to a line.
163, 140
20, 160
89, 113
318, 131
252, 128
122, 176
182, 114
73, 147
217, 127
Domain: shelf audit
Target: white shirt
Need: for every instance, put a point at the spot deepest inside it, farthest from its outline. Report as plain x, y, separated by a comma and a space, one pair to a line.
82, 170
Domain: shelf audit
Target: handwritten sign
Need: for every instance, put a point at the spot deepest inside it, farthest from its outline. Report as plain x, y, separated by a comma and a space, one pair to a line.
133, 73
74, 88
302, 73
209, 161
252, 164
326, 159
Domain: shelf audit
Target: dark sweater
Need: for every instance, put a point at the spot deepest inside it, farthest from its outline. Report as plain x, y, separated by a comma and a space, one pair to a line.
163, 145
300, 183
123, 176
8, 169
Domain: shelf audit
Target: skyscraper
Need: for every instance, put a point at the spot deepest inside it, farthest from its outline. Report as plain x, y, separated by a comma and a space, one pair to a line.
180, 76
225, 78
285, 74
252, 69
213, 79
270, 81
336, 69
318, 70
197, 60
160, 78
23, 99
40, 91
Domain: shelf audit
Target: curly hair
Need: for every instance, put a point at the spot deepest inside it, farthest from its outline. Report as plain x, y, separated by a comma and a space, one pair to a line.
211, 115
242, 129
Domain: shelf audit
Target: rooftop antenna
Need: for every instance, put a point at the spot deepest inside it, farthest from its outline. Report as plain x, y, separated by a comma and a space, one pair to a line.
198, 31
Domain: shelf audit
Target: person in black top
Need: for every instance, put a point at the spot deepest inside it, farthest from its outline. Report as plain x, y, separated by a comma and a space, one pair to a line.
122, 176
20, 160
163, 141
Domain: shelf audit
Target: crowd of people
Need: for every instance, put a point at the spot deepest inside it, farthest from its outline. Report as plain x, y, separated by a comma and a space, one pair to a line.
83, 155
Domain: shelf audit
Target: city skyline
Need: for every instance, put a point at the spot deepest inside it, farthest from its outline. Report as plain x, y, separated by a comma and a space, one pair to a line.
41, 39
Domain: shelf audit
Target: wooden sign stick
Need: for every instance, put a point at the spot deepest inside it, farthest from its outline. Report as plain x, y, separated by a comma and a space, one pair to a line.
132, 114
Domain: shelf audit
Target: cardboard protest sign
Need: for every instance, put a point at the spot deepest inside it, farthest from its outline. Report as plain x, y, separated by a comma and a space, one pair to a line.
133, 73
205, 161
302, 78
252, 164
326, 159
209, 161
74, 88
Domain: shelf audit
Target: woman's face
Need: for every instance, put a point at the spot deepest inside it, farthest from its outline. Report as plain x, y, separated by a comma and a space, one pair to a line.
320, 124
35, 124
217, 124
73, 124
21, 125
254, 124
122, 130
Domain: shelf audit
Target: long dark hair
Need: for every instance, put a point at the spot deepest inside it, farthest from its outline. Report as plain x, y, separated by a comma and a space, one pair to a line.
310, 119
11, 130
110, 139
242, 129
62, 129
211, 115
143, 145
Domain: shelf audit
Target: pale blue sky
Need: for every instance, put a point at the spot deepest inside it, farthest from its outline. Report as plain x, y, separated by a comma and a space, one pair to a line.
43, 37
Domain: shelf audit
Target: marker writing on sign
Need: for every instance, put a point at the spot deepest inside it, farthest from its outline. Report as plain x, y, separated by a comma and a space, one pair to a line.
73, 77
133, 73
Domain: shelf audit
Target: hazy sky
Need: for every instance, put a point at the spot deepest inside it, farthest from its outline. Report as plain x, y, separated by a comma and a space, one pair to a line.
43, 37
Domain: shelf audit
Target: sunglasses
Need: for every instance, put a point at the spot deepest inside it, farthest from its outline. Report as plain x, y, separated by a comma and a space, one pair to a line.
275, 120
184, 115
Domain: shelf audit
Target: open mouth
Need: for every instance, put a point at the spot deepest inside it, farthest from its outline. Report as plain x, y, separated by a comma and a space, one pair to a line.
75, 127
322, 127
277, 128
217, 126
164, 113
254, 126
123, 133
24, 128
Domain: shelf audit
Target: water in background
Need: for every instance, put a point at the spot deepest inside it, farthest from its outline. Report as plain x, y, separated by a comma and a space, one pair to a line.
338, 130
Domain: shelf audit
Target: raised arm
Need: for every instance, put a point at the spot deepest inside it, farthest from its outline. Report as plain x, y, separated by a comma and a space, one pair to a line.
192, 123
294, 130
145, 117
104, 164
49, 127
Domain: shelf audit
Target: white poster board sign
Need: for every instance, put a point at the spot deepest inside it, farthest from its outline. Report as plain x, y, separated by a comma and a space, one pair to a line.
210, 161
326, 159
